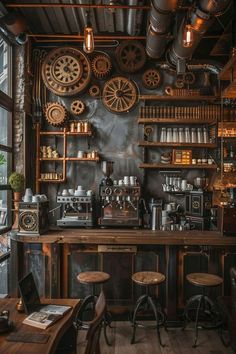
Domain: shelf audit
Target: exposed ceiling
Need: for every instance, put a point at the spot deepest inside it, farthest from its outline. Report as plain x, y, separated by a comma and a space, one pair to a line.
53, 21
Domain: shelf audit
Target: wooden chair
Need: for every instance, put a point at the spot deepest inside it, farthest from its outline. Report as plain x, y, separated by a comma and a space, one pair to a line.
94, 329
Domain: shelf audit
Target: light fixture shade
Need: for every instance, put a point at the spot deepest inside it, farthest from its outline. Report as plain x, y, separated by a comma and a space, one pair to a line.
188, 36
88, 45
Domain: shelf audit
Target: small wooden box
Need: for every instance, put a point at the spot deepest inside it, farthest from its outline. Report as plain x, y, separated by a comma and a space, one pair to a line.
182, 157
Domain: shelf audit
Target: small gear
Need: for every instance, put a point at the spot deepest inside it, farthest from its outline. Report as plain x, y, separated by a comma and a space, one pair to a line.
55, 113
77, 107
94, 91
101, 66
151, 79
130, 56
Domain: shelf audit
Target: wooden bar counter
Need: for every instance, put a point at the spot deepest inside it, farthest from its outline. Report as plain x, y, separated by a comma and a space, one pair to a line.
129, 237
58, 256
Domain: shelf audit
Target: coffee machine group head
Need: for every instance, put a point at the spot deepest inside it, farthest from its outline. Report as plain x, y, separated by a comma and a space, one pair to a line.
107, 170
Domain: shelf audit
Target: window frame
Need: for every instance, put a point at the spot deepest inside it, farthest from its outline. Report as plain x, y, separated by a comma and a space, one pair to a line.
6, 102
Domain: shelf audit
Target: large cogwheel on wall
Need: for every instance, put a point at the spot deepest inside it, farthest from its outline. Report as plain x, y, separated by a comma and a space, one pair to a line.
66, 71
55, 113
101, 66
119, 94
130, 56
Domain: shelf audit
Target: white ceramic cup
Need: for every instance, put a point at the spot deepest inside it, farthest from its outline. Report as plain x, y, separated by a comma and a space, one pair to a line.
27, 198
132, 180
36, 198
64, 192
89, 193
28, 191
80, 154
71, 191
121, 182
126, 180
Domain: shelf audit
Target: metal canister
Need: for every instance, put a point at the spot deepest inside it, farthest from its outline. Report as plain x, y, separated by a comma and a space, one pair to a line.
156, 221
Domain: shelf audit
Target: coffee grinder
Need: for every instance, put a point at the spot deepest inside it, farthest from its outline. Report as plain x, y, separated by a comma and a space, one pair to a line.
107, 170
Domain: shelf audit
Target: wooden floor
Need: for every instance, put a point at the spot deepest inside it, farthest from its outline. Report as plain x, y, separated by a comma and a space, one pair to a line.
176, 341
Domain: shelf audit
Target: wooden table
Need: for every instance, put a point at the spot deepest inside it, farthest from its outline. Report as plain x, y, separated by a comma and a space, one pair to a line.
55, 332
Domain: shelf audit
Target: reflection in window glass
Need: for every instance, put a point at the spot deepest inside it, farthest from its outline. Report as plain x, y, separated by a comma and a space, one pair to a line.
5, 163
5, 210
5, 124
4, 277
4, 67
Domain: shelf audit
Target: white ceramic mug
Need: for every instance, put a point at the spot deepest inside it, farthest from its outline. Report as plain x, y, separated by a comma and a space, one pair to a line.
89, 193
71, 191
64, 192
126, 180
36, 198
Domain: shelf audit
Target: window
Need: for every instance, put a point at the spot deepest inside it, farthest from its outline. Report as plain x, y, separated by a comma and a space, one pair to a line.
5, 159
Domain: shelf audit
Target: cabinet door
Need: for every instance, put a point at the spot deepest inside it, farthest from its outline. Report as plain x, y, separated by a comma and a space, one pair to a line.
79, 261
120, 266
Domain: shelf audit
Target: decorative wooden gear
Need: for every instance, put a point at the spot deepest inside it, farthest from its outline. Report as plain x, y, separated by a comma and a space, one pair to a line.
66, 71
119, 94
101, 66
55, 113
131, 56
151, 79
94, 91
77, 107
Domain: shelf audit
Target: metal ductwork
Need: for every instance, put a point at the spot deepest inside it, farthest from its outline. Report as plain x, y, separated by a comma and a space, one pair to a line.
159, 24
199, 19
134, 18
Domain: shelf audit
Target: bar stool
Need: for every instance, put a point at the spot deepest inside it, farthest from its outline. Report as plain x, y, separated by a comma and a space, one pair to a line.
92, 278
148, 279
202, 303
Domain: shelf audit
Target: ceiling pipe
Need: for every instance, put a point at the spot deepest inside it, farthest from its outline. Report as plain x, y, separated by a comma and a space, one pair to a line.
200, 19
159, 25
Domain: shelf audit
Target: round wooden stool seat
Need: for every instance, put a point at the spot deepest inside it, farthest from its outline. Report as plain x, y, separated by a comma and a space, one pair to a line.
204, 279
93, 277
148, 278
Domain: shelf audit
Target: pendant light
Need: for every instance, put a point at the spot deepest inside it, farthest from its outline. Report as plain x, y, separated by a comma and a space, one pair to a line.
88, 45
188, 33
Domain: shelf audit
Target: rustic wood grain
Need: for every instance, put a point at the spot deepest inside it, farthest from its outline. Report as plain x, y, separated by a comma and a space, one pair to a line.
56, 331
204, 279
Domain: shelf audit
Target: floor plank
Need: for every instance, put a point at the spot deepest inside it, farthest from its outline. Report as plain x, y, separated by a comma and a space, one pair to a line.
176, 341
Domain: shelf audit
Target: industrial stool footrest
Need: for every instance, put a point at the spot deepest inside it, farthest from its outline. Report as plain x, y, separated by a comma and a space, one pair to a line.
92, 278
205, 306
148, 279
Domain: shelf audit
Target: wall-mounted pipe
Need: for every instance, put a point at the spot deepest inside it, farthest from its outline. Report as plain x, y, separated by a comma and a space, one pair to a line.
159, 24
200, 19
134, 18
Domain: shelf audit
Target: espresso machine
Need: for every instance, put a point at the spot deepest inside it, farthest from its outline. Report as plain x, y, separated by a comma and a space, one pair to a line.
120, 206
119, 203
76, 211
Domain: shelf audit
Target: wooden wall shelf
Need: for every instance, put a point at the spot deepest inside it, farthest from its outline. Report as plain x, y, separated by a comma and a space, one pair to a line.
177, 98
64, 159
162, 166
175, 121
159, 144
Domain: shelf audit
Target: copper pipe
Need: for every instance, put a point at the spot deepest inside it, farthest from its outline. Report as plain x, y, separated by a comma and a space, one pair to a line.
85, 6
80, 37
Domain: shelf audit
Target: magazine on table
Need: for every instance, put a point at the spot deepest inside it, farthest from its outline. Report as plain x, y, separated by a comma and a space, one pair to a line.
46, 316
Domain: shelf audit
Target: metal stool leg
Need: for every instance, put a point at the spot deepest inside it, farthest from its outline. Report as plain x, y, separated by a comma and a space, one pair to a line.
197, 320
142, 300
156, 314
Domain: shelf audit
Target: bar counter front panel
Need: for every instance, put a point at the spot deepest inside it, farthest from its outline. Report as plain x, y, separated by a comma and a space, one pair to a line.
57, 257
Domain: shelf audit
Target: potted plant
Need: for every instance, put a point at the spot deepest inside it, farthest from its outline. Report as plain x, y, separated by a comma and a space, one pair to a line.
17, 181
